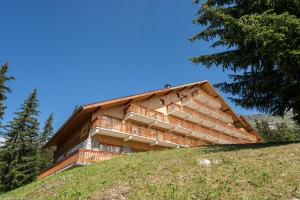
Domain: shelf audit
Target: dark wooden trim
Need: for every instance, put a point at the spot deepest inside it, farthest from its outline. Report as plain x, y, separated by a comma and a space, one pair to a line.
127, 102
151, 96
98, 109
182, 89
194, 86
168, 92
225, 110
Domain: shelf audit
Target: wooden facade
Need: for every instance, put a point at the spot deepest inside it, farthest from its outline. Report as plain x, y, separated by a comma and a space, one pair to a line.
183, 116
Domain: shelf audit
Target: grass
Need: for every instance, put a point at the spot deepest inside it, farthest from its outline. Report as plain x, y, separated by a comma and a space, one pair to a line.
261, 171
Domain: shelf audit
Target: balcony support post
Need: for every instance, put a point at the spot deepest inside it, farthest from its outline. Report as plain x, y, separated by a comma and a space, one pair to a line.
128, 138
153, 123
154, 143
174, 129
93, 132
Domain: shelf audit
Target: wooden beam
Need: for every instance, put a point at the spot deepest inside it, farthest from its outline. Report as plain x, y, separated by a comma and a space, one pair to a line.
99, 108
151, 96
128, 102
237, 123
225, 110
168, 92
182, 88
193, 86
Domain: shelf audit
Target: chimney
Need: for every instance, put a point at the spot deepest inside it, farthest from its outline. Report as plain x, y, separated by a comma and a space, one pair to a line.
168, 86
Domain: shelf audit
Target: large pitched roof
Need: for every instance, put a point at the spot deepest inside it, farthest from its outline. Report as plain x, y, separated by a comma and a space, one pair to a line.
85, 112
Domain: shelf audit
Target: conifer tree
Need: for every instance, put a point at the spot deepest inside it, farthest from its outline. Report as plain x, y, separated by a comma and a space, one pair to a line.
47, 130
18, 158
262, 40
46, 154
4, 89
279, 132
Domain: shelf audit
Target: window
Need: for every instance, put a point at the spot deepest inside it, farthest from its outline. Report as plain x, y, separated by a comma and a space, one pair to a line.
127, 149
115, 149
162, 102
111, 148
194, 93
95, 145
103, 147
178, 95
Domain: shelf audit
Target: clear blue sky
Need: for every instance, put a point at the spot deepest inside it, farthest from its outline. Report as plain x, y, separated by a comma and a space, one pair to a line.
77, 52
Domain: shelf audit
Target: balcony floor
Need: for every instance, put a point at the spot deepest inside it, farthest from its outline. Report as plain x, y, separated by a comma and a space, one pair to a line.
133, 137
148, 120
178, 113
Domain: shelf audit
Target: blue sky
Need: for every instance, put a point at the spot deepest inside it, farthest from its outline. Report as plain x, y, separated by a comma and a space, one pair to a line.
78, 52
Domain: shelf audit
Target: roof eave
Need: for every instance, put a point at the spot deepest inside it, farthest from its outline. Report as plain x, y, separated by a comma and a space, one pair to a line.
74, 114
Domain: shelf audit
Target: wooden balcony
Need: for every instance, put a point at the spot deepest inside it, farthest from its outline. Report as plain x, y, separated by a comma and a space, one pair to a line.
181, 126
189, 114
79, 157
147, 116
203, 133
127, 131
206, 109
207, 99
176, 110
138, 113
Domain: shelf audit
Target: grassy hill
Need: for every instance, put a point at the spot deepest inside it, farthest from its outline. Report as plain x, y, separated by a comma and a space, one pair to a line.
262, 171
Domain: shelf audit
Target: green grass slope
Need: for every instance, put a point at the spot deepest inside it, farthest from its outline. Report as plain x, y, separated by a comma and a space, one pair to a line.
263, 171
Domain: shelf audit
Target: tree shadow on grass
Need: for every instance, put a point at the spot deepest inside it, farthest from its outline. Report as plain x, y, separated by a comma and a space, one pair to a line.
236, 147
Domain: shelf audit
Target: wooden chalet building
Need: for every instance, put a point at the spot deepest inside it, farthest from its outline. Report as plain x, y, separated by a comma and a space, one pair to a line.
174, 117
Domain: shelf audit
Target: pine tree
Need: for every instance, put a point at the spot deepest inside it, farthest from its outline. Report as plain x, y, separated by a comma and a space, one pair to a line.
47, 130
281, 132
19, 163
46, 154
4, 89
263, 51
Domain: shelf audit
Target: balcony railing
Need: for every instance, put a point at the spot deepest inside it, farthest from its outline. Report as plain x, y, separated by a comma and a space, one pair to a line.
207, 109
180, 126
134, 132
147, 112
79, 157
207, 99
207, 134
207, 121
148, 116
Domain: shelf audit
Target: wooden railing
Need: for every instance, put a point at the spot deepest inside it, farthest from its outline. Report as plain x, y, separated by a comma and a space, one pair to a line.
205, 131
201, 93
147, 112
81, 156
190, 111
174, 106
212, 109
133, 129
92, 156
168, 119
